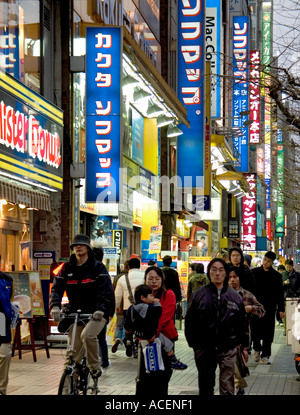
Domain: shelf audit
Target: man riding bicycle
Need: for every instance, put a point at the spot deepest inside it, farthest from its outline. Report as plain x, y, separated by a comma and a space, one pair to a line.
89, 289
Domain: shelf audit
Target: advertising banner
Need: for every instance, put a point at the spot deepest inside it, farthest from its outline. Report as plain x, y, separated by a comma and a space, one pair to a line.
213, 52
191, 89
31, 135
155, 239
249, 214
240, 88
103, 112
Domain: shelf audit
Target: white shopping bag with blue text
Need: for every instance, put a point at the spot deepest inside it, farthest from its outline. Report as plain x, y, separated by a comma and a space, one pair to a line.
152, 355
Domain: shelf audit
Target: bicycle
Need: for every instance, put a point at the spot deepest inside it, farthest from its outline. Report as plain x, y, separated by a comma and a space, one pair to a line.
77, 378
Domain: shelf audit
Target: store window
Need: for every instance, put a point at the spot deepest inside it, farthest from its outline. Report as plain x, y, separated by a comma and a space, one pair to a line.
20, 43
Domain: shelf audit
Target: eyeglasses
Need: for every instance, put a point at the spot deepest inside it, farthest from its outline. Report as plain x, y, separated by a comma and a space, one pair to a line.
153, 278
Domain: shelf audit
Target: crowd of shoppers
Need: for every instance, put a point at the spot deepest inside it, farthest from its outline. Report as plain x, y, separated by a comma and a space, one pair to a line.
231, 311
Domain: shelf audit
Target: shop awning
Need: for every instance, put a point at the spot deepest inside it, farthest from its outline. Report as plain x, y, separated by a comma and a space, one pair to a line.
22, 194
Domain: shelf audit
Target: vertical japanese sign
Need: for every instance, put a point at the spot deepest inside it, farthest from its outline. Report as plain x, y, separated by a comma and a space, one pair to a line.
254, 97
103, 112
240, 88
213, 36
249, 214
10, 51
266, 81
191, 85
280, 179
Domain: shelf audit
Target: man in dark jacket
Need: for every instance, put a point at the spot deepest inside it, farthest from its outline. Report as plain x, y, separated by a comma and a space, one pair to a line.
215, 324
89, 289
171, 278
269, 292
291, 280
6, 295
236, 259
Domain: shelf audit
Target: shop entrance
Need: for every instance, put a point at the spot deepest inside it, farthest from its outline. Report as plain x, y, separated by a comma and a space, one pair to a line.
9, 250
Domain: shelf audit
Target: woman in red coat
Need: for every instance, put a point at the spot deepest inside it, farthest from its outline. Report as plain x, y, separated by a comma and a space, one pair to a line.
158, 381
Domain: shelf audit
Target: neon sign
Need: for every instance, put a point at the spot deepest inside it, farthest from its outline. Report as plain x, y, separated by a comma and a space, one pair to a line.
103, 113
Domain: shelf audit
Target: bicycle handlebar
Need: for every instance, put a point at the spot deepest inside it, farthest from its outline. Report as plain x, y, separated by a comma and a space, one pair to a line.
73, 315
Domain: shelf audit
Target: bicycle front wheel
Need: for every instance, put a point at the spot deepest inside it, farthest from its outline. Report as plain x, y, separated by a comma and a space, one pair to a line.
67, 384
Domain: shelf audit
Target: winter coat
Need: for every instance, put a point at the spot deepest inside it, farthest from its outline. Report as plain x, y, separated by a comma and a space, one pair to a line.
292, 289
269, 289
88, 287
6, 296
135, 277
195, 282
142, 319
215, 321
166, 324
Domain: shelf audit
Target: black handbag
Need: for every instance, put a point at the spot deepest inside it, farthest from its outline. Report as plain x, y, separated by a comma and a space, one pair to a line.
242, 364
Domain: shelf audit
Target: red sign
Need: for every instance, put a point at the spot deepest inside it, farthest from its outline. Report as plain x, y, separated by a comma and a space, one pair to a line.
249, 214
254, 98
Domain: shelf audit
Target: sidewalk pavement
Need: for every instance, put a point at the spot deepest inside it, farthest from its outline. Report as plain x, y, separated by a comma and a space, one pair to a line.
42, 377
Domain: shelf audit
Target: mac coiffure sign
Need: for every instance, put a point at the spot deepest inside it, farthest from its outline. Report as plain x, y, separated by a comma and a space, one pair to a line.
191, 84
103, 112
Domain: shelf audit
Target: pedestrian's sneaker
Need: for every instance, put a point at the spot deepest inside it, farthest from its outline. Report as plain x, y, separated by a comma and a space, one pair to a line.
256, 356
265, 360
178, 365
115, 346
128, 346
105, 368
241, 391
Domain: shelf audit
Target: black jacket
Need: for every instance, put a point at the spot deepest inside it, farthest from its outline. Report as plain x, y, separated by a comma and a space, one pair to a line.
88, 287
269, 289
142, 319
172, 282
292, 289
216, 323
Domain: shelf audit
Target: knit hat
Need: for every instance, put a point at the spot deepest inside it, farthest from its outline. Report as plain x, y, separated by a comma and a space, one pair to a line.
81, 240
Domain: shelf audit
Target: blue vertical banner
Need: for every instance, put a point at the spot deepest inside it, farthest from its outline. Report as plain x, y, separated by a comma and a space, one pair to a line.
103, 113
191, 88
240, 96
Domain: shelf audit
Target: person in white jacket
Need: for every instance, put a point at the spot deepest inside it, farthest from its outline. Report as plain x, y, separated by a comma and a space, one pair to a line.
122, 295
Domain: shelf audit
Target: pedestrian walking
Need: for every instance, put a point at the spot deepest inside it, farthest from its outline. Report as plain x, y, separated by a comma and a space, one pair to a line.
254, 310
236, 259
157, 382
103, 349
269, 292
171, 278
197, 280
119, 330
215, 325
89, 289
124, 292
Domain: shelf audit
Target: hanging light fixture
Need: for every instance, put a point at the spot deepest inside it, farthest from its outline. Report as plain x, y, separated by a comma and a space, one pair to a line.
163, 120
233, 188
129, 80
173, 131
153, 109
140, 93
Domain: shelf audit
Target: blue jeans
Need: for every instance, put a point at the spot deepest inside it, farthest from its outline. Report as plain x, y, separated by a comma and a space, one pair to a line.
103, 351
119, 331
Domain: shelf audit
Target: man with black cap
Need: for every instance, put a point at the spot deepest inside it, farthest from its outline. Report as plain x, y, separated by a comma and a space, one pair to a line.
89, 289
269, 292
